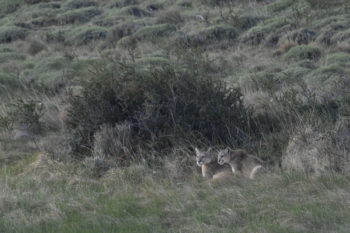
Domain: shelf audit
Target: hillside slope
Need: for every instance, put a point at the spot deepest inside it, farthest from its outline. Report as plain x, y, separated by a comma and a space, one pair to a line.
103, 101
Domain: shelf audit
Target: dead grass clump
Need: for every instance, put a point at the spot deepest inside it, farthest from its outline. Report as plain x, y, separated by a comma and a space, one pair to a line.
57, 145
262, 104
315, 151
170, 16
285, 46
308, 151
114, 142
36, 47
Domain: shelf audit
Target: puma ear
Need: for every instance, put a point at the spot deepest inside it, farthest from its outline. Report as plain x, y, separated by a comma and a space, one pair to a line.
197, 151
226, 150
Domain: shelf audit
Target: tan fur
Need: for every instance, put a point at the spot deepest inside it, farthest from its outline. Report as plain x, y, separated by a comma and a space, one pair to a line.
241, 162
209, 166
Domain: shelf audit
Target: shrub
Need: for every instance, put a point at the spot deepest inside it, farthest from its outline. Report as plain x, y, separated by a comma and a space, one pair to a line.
341, 36
12, 33
210, 34
329, 82
124, 3
10, 6
114, 142
123, 30
8, 80
245, 22
338, 58
85, 35
82, 15
280, 5
333, 30
76, 4
35, 1
325, 4
154, 31
315, 151
303, 52
27, 114
170, 16
56, 36
11, 56
36, 47
260, 32
164, 106
302, 36
135, 11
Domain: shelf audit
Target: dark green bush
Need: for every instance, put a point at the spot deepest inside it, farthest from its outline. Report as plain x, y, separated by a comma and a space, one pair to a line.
12, 33
164, 106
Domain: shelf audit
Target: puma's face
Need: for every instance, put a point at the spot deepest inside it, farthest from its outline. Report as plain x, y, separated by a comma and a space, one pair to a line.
203, 157
223, 157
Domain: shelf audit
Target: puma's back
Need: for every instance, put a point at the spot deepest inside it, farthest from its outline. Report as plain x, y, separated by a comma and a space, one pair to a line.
241, 162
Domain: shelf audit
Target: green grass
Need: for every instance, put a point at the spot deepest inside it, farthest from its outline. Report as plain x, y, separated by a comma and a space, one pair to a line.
78, 36
66, 201
302, 52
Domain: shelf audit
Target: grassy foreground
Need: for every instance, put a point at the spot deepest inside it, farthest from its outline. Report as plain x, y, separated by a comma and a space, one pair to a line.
40, 195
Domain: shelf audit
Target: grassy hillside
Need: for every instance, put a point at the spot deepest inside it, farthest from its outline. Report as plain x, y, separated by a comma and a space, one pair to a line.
103, 102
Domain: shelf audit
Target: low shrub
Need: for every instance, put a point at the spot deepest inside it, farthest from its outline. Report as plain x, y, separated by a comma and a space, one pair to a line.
76, 4
280, 5
324, 4
86, 35
10, 6
8, 80
27, 114
154, 31
35, 1
56, 36
11, 56
11, 33
302, 36
329, 82
36, 47
210, 34
82, 15
170, 16
302, 52
122, 30
164, 106
338, 58
114, 142
261, 32
135, 11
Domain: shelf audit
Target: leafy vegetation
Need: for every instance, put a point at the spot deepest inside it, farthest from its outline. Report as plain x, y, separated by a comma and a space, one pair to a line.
102, 103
